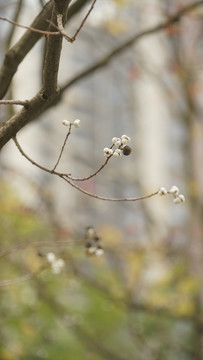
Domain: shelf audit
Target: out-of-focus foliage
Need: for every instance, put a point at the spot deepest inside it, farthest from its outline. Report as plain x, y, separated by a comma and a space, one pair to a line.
110, 307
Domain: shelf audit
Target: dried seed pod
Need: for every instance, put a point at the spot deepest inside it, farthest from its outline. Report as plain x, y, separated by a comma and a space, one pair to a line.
127, 150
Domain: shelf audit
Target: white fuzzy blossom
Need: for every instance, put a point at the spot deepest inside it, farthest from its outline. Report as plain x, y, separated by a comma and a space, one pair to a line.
76, 123
99, 252
92, 250
108, 152
125, 139
56, 264
116, 141
181, 197
178, 199
162, 191
65, 122
51, 257
117, 153
174, 190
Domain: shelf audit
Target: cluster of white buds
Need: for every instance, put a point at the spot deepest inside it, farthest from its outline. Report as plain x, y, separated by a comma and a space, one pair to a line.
108, 152
56, 264
75, 123
92, 242
117, 152
178, 198
122, 148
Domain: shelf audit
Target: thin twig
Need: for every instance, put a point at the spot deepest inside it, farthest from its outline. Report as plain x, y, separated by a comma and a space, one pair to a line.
14, 102
13, 125
17, 280
69, 175
82, 23
64, 177
30, 160
89, 176
63, 146
107, 198
43, 32
28, 276
60, 26
105, 60
25, 245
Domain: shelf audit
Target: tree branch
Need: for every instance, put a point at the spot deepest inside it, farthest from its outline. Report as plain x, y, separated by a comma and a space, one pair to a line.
14, 102
121, 48
17, 53
53, 52
42, 32
65, 178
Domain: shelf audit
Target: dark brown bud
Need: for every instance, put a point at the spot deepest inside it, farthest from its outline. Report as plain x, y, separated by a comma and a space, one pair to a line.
127, 150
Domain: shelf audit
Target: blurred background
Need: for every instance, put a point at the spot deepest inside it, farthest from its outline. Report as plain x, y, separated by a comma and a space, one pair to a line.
142, 299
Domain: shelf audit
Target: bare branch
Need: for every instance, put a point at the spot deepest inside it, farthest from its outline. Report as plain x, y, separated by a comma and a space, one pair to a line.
64, 177
63, 146
121, 48
28, 276
108, 198
52, 54
34, 244
13, 125
33, 108
14, 102
89, 176
69, 176
16, 54
4, 283
60, 26
82, 23
42, 32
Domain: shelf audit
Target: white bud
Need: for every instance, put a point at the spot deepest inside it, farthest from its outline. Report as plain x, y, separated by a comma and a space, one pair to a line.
57, 266
51, 257
174, 190
91, 250
116, 141
55, 269
182, 198
125, 139
76, 123
107, 152
60, 263
66, 122
162, 191
117, 153
179, 199
99, 252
